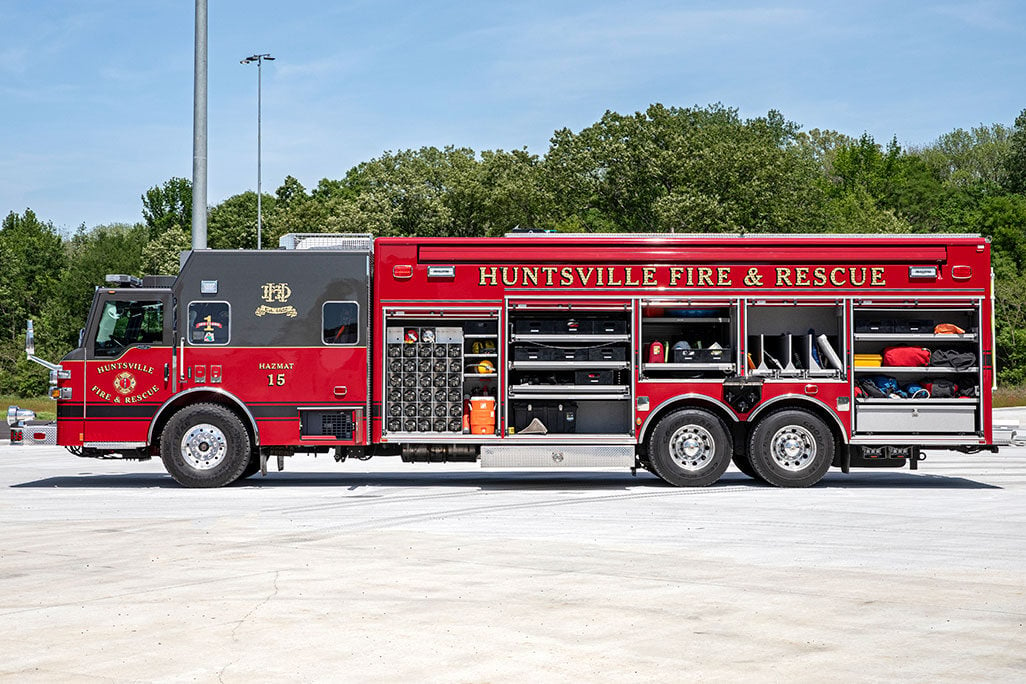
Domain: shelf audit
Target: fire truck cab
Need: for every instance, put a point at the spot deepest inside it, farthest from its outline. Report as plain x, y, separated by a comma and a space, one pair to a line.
787, 354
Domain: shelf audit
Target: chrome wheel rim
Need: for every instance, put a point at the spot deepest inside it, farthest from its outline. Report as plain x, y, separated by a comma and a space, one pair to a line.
204, 446
793, 448
692, 447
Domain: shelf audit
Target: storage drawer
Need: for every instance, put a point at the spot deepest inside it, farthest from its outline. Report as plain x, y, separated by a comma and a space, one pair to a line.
531, 353
607, 354
918, 418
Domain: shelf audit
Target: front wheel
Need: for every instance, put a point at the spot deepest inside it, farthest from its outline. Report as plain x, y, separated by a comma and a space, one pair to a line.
205, 445
690, 448
792, 448
252, 467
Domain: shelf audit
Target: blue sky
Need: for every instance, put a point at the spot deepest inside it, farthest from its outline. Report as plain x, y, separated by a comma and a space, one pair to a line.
96, 95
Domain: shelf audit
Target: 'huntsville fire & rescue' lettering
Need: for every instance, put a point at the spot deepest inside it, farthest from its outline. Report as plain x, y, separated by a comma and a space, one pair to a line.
682, 276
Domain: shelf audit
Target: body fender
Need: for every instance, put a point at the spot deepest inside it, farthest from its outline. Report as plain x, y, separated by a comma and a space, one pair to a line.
801, 398
701, 398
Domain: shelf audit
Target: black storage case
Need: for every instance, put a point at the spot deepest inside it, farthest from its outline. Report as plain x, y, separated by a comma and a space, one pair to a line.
594, 377
556, 416
572, 326
533, 326
607, 326
702, 355
886, 325
915, 325
481, 327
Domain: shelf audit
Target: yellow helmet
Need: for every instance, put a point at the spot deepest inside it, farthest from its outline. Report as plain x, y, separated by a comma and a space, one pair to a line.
482, 347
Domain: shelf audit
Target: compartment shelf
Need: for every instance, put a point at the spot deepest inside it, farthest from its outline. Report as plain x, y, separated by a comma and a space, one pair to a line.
687, 366
686, 319
912, 337
904, 308
568, 337
533, 391
480, 336
916, 402
549, 365
921, 370
566, 396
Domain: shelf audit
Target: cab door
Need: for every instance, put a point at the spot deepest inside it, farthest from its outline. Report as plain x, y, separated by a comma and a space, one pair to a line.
129, 353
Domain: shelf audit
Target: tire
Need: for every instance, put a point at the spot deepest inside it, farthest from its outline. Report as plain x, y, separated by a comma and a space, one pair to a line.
791, 448
252, 466
689, 448
745, 466
205, 445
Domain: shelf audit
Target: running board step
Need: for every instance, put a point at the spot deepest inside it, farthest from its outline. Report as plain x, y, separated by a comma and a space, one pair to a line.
557, 456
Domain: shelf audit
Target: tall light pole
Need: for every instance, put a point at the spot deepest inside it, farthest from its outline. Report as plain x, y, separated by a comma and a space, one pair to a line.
199, 131
259, 59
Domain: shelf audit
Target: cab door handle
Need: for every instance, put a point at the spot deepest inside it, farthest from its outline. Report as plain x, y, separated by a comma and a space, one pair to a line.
341, 390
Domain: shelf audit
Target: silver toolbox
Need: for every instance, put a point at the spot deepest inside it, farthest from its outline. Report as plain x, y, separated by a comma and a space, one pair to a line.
449, 335
899, 417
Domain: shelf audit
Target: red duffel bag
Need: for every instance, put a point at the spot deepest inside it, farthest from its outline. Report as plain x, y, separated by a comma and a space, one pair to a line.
906, 356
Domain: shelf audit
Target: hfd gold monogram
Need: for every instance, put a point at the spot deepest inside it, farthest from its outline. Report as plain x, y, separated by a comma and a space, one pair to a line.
276, 292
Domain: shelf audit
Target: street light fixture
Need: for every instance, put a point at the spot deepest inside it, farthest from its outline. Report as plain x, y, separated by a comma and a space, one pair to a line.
259, 59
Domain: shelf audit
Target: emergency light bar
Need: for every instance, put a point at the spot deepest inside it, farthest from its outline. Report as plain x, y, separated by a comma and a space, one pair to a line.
123, 280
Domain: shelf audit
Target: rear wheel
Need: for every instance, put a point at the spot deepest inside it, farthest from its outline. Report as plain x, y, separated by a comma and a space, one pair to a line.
745, 466
792, 448
205, 445
689, 448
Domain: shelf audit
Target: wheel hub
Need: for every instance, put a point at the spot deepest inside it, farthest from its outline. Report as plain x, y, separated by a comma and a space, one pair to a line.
204, 446
692, 447
793, 448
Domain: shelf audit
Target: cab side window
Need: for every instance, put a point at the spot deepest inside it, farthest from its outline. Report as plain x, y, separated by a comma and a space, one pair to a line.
128, 322
209, 323
340, 323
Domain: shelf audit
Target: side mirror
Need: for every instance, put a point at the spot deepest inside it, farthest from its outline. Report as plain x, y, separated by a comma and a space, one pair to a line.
30, 349
81, 337
30, 340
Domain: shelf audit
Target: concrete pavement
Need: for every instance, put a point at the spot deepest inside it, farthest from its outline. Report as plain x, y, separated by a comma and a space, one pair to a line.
384, 571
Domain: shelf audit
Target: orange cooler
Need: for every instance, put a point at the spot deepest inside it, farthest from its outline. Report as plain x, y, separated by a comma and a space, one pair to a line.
482, 415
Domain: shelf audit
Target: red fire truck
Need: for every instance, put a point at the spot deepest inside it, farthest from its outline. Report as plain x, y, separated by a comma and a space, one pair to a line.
787, 354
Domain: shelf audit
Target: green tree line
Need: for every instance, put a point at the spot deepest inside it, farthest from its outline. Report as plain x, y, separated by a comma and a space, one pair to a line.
667, 169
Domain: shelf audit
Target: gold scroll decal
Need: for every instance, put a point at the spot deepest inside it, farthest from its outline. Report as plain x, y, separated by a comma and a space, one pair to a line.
289, 311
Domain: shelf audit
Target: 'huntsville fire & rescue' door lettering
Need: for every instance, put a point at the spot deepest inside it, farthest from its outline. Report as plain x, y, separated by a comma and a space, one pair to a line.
125, 383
